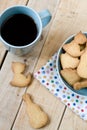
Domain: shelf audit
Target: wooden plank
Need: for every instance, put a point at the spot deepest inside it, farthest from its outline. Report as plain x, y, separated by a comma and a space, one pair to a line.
3, 5
72, 122
7, 113
9, 108
49, 103
72, 19
7, 3
61, 28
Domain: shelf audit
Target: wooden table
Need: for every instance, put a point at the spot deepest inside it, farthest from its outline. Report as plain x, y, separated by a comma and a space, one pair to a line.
68, 17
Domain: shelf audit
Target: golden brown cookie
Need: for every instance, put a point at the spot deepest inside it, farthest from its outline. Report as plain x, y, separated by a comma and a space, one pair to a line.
67, 61
37, 117
70, 75
73, 49
82, 67
81, 84
18, 67
19, 79
80, 38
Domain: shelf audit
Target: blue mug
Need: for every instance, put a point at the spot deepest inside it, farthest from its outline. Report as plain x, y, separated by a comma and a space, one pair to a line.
41, 19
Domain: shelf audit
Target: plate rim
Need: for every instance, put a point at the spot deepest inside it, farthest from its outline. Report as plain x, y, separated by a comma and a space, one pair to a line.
58, 52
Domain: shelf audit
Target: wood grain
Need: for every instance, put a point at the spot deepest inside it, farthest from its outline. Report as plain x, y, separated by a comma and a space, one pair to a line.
72, 122
72, 19
7, 3
41, 96
68, 17
9, 108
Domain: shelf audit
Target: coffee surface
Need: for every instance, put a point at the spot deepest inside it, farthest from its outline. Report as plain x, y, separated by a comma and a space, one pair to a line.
19, 30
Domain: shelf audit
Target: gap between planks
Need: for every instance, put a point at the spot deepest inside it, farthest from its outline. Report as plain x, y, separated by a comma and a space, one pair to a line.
3, 59
62, 117
58, 3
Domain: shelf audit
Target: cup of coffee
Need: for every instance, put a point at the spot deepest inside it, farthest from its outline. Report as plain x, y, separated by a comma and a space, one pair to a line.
21, 28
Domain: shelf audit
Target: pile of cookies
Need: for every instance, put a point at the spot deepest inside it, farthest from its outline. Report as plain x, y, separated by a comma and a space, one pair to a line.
74, 62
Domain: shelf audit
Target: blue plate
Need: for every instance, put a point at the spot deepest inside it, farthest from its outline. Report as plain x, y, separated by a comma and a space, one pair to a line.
58, 65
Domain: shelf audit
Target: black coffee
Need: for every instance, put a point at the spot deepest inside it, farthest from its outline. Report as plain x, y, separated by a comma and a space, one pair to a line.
19, 30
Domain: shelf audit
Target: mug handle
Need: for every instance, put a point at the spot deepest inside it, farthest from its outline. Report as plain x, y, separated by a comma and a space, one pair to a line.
45, 16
